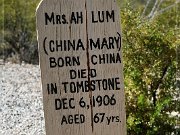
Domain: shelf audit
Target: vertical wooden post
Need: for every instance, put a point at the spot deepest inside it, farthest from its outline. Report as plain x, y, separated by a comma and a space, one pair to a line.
81, 67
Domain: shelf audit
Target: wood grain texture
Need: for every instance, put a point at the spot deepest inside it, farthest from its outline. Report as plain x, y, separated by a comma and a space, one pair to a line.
54, 32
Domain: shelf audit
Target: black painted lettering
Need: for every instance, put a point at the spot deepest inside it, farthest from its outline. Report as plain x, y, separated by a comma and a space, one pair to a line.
104, 84
110, 16
117, 82
118, 41
86, 87
93, 17
75, 61
92, 73
118, 58
117, 119
103, 100
111, 84
73, 87
52, 88
76, 17
65, 86
82, 118
99, 84
102, 59
73, 18
71, 106
73, 74
66, 45
104, 44
55, 19
49, 19
51, 46
111, 43
64, 121
71, 45
58, 19
64, 21
70, 119
80, 45
106, 59
113, 118
112, 59
68, 61
59, 46
102, 16
73, 119
94, 45
80, 86
108, 120
76, 119
52, 62
64, 103
82, 73
93, 86
58, 104
94, 59
78, 74
62, 62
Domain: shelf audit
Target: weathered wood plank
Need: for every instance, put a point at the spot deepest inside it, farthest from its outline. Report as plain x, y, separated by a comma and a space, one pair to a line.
81, 67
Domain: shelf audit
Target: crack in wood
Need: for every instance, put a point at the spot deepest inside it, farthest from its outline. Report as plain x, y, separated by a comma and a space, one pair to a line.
88, 67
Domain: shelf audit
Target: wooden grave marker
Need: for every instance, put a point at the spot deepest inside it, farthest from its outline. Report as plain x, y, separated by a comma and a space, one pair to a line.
81, 67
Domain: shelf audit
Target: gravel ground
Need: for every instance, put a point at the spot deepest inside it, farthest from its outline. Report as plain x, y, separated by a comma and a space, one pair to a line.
21, 111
